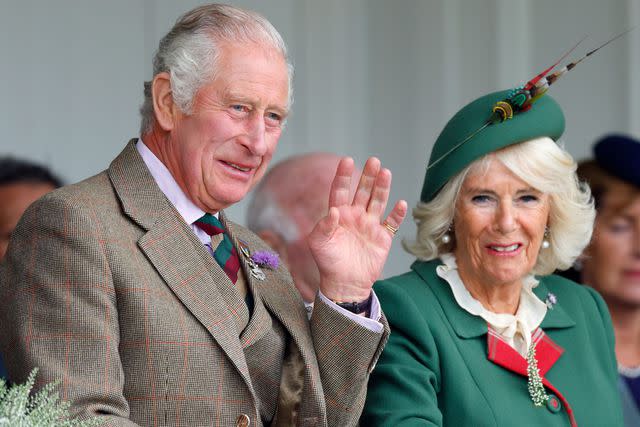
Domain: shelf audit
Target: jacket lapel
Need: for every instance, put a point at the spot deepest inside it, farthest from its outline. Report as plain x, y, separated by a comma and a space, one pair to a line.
276, 292
502, 354
468, 326
175, 252
556, 317
260, 322
547, 351
465, 324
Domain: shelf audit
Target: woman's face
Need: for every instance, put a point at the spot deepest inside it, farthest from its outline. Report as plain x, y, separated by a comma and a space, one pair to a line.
612, 262
499, 225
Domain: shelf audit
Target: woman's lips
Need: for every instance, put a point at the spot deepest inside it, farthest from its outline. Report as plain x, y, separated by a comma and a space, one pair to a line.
504, 250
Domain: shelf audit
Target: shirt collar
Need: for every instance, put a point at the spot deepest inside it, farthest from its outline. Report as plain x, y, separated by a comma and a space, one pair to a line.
168, 185
531, 310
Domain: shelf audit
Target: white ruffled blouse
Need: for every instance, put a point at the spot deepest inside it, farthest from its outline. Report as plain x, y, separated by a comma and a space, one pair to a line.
516, 330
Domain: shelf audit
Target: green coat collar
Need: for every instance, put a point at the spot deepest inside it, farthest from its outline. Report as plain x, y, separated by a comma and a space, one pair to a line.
465, 324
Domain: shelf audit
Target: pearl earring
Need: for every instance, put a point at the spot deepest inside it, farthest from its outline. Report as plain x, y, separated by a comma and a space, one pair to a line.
446, 237
545, 241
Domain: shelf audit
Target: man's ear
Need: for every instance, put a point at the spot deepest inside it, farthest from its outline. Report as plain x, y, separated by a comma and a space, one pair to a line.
277, 243
165, 109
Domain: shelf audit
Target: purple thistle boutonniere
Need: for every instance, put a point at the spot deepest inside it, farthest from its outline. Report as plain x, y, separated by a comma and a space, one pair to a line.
266, 259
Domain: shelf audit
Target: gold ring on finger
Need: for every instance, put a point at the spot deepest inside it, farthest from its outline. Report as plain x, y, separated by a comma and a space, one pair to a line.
390, 227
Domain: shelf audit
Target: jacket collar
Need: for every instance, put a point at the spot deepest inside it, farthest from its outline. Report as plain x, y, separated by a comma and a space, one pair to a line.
465, 324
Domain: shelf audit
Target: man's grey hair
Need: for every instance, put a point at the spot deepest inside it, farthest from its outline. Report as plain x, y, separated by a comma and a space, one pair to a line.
191, 50
266, 214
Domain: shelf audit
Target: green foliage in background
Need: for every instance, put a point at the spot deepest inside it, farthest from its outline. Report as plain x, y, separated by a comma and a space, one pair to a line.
44, 409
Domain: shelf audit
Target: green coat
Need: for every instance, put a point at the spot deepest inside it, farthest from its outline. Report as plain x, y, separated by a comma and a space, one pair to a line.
436, 367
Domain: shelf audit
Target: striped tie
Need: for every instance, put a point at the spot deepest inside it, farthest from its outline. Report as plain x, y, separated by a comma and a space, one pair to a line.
225, 254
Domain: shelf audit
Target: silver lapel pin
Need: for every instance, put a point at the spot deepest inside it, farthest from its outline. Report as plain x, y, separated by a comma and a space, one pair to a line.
254, 268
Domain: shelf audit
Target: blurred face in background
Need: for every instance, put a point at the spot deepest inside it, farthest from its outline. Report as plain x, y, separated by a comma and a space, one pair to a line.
612, 261
15, 198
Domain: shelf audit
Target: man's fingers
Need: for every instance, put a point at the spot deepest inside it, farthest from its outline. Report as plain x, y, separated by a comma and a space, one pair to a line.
328, 225
341, 185
396, 216
380, 193
367, 182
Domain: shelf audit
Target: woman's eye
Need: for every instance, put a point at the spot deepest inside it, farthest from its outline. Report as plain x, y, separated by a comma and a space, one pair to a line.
480, 199
619, 226
528, 198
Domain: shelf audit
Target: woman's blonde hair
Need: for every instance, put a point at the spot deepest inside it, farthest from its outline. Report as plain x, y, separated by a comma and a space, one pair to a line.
545, 166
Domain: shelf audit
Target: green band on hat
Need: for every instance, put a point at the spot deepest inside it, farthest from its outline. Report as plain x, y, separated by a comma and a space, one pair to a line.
545, 118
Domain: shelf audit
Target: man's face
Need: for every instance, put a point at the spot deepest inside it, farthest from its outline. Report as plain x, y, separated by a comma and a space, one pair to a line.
16, 198
221, 150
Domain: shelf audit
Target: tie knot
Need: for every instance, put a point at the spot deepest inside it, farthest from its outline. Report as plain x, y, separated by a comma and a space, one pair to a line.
210, 224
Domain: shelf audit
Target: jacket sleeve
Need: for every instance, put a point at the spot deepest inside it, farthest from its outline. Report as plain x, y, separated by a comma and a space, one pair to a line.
346, 352
59, 310
404, 385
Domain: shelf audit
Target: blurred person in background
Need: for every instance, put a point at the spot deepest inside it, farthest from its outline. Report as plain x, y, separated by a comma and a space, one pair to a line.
284, 208
21, 183
611, 262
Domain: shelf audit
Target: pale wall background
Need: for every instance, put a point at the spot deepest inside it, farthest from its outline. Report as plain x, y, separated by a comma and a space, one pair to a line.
373, 77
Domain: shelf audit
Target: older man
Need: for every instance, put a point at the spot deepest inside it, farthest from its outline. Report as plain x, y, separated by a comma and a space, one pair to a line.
153, 308
284, 208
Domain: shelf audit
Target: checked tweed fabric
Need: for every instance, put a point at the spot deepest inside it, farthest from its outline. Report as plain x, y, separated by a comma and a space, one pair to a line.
225, 254
106, 289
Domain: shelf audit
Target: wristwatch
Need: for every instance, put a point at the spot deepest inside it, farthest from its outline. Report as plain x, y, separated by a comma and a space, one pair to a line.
356, 307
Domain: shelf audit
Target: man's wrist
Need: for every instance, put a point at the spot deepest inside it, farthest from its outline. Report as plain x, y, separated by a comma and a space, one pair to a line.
357, 307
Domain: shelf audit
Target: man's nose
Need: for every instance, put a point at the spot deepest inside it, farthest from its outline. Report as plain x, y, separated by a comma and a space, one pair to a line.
256, 142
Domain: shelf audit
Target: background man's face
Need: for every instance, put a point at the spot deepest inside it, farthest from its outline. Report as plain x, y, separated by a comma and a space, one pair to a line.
16, 198
223, 149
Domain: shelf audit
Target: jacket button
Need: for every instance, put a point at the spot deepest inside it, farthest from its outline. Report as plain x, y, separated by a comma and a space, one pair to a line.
553, 404
243, 421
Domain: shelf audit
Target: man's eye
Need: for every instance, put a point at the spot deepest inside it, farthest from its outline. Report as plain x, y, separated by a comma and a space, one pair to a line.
274, 117
239, 108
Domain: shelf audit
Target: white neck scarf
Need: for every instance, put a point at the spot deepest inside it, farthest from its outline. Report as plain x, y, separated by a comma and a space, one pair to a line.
516, 329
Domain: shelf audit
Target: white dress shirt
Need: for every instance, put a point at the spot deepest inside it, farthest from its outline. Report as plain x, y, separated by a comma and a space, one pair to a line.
191, 213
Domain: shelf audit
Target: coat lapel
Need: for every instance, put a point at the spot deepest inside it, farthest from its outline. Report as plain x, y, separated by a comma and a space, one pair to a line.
260, 322
468, 326
502, 354
276, 292
556, 317
175, 252
547, 351
465, 324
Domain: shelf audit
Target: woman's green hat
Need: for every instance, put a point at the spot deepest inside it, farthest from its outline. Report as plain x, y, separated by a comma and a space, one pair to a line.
482, 127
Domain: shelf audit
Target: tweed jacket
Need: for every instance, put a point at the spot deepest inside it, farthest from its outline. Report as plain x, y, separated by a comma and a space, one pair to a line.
107, 290
442, 367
